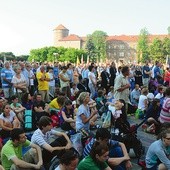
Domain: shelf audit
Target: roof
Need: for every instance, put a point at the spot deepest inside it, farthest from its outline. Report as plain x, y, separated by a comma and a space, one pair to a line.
71, 37
60, 27
134, 38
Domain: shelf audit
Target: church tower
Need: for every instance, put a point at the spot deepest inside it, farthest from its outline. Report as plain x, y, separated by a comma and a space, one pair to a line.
59, 33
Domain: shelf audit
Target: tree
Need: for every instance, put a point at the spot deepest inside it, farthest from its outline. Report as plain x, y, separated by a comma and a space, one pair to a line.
55, 54
166, 46
90, 48
7, 55
142, 46
96, 45
156, 50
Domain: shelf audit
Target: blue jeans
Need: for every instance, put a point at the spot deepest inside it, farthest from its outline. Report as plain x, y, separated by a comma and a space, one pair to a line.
117, 152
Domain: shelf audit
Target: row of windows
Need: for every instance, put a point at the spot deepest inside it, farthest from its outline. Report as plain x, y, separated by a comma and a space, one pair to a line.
120, 54
121, 46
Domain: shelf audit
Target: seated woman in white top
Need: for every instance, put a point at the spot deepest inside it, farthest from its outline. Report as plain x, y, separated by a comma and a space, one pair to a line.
143, 100
8, 121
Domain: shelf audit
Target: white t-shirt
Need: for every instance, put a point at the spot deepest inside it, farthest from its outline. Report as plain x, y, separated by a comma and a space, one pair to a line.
92, 75
9, 118
52, 82
159, 96
17, 81
141, 104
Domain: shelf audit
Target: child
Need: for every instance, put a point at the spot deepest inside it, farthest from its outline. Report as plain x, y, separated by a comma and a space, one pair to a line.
17, 108
74, 91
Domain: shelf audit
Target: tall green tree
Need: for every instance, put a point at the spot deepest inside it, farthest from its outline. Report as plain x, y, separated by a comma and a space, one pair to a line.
143, 45
156, 50
166, 46
7, 55
96, 45
90, 48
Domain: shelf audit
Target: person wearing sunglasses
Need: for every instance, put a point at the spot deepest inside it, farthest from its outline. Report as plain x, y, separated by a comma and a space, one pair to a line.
158, 154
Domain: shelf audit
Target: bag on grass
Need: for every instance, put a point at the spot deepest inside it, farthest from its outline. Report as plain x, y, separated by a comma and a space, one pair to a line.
76, 142
107, 120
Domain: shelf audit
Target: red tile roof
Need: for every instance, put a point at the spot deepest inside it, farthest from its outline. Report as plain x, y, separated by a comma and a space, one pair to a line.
134, 38
71, 37
60, 27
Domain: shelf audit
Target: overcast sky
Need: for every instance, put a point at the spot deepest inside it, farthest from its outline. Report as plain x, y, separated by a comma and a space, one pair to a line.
29, 24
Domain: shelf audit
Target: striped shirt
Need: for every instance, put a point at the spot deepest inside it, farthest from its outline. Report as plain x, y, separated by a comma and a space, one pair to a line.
41, 139
88, 147
165, 111
6, 73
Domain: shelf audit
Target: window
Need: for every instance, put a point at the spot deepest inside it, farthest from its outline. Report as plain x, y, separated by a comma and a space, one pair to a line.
121, 46
121, 54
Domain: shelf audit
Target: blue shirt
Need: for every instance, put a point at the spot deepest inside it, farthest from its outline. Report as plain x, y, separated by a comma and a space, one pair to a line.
56, 72
87, 149
134, 97
79, 123
147, 69
6, 73
157, 72
158, 152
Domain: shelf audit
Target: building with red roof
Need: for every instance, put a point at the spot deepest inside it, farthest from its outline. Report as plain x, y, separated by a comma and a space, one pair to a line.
119, 47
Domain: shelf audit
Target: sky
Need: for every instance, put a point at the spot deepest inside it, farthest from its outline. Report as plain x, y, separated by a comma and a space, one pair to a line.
29, 24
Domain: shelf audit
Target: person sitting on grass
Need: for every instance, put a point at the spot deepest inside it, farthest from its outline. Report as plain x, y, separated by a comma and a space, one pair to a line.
43, 137
157, 156
97, 158
68, 161
11, 154
118, 156
17, 108
8, 121
152, 123
67, 116
84, 116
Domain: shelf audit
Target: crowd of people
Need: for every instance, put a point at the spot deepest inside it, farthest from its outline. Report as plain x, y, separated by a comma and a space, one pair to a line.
72, 98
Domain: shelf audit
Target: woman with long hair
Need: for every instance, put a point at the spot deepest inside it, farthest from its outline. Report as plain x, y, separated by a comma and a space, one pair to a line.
8, 121
67, 116
97, 158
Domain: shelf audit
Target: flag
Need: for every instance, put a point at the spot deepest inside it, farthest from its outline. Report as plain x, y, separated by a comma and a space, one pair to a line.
78, 61
82, 59
87, 59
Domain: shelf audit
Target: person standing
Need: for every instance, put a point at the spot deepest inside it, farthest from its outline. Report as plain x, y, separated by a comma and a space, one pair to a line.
146, 74
92, 81
6, 77
122, 85
43, 84
113, 71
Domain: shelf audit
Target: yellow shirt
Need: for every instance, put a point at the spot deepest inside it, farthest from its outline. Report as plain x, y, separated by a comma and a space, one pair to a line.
42, 85
54, 104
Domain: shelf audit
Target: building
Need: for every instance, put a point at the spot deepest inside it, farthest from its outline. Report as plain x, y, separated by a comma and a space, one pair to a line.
119, 48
